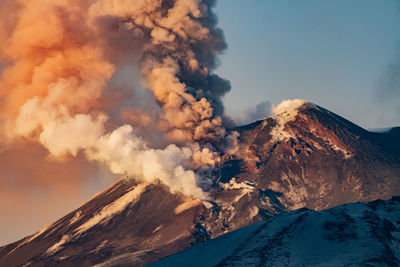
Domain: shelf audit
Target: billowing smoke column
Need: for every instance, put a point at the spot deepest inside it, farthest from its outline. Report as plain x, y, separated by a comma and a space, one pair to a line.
62, 62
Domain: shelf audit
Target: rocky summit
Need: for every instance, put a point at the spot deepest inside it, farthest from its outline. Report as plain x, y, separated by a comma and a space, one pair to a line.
304, 157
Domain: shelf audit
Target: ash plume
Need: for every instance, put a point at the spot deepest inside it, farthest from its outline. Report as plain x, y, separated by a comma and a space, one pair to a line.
128, 83
389, 83
251, 114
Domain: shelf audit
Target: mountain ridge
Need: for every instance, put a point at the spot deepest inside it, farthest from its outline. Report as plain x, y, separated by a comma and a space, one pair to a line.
362, 234
308, 157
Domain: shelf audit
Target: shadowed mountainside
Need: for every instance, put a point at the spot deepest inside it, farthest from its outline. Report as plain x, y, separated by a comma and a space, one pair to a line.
308, 157
357, 234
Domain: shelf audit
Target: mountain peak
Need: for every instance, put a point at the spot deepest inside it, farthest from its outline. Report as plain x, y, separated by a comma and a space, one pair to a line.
302, 157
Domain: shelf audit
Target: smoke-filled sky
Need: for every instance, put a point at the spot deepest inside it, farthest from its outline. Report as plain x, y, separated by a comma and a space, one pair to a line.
94, 90
128, 86
343, 55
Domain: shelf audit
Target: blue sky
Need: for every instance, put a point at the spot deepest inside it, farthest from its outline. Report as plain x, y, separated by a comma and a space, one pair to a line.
332, 53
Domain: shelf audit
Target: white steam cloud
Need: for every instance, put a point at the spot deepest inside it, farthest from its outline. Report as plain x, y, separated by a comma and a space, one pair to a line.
61, 57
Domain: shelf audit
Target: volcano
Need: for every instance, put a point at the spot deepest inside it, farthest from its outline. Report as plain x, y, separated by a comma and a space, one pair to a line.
304, 157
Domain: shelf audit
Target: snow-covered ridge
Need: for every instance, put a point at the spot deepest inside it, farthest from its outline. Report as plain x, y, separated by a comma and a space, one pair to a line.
29, 239
264, 178
115, 207
105, 214
358, 234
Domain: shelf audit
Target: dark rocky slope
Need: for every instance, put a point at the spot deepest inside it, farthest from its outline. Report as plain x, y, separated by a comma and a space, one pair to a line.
308, 157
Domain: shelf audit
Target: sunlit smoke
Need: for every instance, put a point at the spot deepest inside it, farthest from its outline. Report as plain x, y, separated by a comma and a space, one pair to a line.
127, 83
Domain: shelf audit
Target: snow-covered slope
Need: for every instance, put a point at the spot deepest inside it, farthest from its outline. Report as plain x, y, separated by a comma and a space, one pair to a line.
121, 224
303, 156
358, 234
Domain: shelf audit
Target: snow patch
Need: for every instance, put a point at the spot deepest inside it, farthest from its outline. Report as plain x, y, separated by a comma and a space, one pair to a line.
107, 190
189, 203
158, 228
242, 189
253, 212
57, 246
75, 218
345, 153
102, 245
44, 229
295, 189
331, 140
116, 207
